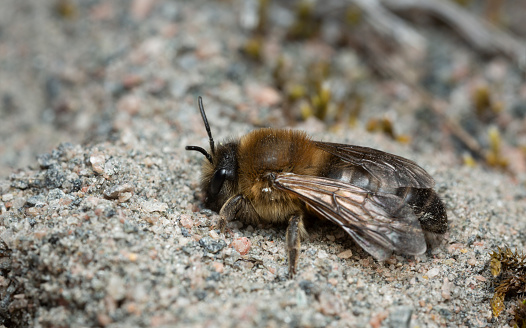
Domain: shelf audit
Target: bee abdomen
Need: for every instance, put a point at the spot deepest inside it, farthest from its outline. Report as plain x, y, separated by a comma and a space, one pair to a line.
428, 206
355, 176
429, 209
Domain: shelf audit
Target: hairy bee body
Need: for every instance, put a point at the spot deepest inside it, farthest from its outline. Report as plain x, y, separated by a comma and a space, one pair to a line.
384, 202
260, 156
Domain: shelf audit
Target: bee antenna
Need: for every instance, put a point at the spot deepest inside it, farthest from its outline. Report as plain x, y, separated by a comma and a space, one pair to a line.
203, 115
201, 150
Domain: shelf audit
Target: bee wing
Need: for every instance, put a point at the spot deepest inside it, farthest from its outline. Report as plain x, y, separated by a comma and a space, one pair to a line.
379, 222
392, 170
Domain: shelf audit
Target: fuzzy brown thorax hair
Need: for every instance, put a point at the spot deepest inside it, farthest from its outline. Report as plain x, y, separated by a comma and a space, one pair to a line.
254, 159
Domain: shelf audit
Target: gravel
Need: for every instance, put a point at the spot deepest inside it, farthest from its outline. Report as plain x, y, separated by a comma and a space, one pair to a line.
107, 228
85, 256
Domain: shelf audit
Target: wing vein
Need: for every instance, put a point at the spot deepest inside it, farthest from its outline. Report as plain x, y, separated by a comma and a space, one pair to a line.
379, 222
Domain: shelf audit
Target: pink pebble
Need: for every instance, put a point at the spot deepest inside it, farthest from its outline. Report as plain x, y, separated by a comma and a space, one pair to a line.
186, 221
242, 245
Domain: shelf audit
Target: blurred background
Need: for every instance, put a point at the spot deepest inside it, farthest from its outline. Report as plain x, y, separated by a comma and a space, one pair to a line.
438, 75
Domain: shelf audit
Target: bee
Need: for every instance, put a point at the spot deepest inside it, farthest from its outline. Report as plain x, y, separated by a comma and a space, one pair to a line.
386, 203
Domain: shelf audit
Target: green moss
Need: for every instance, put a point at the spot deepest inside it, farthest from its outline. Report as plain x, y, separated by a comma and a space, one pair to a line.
509, 270
305, 25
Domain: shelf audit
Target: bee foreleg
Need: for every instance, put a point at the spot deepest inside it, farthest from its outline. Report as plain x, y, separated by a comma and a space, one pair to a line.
236, 207
228, 211
293, 241
221, 224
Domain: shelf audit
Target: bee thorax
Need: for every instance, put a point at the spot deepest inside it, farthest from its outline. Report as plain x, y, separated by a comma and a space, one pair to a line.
264, 191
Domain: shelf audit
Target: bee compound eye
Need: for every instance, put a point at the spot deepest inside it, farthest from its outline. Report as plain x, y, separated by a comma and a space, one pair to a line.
217, 181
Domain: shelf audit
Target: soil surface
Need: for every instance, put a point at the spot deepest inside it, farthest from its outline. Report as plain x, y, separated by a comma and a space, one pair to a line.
101, 217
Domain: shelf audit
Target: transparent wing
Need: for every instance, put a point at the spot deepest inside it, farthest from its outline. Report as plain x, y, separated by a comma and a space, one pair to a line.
393, 171
379, 222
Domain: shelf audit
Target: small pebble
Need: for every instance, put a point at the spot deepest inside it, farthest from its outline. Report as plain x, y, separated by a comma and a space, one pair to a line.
360, 283
186, 221
152, 219
231, 256
104, 319
211, 245
309, 287
130, 104
130, 81
141, 8
472, 262
97, 162
54, 177
213, 234
116, 288
242, 245
148, 162
7, 197
264, 95
446, 289
154, 206
433, 273
124, 197
454, 247
218, 267
330, 304
480, 278
115, 192
378, 318
347, 254
36, 201
45, 161
400, 316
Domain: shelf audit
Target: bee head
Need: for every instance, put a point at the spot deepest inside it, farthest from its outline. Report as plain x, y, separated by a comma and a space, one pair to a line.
219, 173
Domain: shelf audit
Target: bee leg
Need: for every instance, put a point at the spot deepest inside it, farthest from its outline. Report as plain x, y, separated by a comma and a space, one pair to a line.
294, 232
221, 224
228, 211
236, 207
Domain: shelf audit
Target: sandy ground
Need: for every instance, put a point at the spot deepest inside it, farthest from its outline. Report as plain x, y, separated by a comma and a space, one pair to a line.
101, 218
